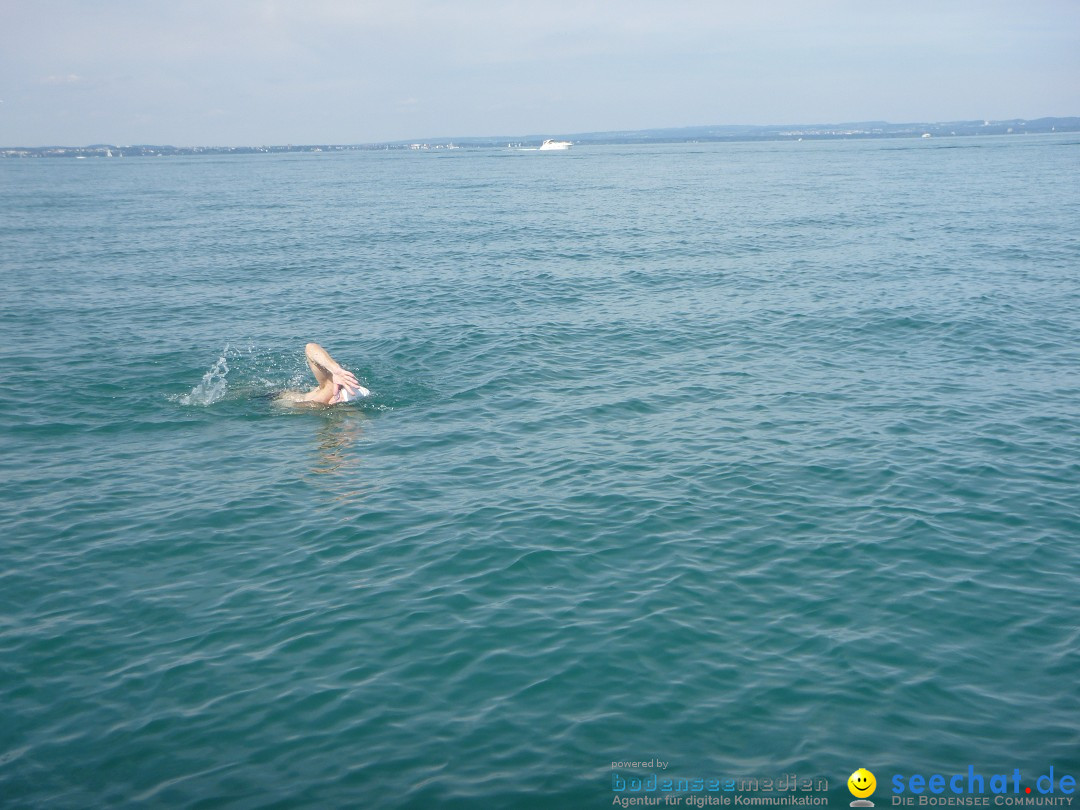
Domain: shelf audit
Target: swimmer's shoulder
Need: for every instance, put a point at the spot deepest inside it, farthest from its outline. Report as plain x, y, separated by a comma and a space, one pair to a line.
294, 399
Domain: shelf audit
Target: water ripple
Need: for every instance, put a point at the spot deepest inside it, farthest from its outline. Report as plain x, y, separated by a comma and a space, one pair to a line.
766, 465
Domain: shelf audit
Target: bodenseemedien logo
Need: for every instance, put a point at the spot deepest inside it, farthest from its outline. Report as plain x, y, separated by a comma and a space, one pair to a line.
862, 784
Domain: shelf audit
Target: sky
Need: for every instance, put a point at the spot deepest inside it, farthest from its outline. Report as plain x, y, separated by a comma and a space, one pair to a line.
254, 72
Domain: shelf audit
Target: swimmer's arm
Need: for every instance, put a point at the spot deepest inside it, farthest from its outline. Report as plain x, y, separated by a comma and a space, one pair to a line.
326, 369
322, 364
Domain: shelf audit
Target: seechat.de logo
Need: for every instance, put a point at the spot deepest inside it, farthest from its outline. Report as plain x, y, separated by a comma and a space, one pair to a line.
970, 789
861, 784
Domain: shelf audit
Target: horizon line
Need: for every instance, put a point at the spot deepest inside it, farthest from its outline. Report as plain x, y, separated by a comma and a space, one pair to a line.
721, 132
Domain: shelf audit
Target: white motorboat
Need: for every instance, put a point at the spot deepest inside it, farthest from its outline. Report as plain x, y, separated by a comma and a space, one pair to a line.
551, 146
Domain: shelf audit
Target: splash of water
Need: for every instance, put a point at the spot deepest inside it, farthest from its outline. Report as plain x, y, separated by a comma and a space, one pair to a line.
212, 386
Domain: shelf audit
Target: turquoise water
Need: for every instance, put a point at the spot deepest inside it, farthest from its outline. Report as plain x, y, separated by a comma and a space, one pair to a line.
755, 458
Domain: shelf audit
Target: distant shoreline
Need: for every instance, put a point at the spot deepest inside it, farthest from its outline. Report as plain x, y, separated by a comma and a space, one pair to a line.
703, 134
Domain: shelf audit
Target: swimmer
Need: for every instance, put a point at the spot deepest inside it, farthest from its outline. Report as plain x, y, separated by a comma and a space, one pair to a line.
335, 383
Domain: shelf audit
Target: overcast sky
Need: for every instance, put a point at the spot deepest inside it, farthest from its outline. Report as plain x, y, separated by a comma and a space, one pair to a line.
231, 72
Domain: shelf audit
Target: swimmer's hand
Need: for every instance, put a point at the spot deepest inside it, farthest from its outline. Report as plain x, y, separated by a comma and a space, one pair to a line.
344, 379
346, 387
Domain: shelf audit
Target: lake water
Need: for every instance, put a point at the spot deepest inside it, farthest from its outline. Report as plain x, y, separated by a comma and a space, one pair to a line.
755, 459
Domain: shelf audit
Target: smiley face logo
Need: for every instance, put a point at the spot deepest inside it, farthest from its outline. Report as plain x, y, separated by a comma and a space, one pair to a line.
861, 783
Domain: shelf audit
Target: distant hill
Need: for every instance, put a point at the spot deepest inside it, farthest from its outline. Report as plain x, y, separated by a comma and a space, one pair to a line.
715, 133
862, 129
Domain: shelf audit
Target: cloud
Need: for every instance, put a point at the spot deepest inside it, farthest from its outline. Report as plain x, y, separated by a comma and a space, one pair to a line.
70, 78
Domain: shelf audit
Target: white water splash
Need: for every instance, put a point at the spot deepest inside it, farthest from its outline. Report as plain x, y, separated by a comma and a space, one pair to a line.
212, 386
